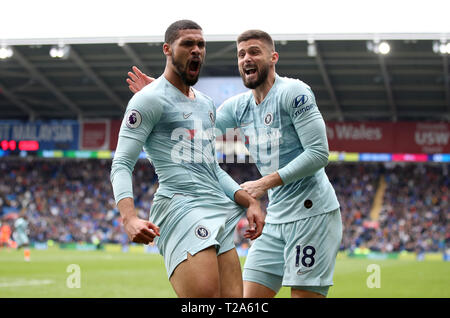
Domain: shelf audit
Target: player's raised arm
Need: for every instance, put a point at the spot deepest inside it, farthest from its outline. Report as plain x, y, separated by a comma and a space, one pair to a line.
137, 80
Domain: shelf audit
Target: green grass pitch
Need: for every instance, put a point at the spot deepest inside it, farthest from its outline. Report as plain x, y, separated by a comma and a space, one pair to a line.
117, 274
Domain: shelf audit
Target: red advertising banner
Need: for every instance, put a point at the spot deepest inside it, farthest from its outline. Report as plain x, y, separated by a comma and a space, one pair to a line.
360, 137
384, 137
114, 135
421, 137
371, 137
94, 135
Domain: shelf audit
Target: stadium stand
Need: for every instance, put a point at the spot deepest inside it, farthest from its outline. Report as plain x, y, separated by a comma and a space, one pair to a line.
71, 201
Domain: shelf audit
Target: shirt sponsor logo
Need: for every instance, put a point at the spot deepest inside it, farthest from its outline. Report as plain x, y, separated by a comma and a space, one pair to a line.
133, 119
300, 100
303, 110
202, 232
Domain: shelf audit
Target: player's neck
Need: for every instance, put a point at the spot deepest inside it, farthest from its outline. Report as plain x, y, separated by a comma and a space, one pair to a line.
260, 92
176, 81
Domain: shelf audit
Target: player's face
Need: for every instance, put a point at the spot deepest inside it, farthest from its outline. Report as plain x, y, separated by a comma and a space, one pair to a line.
254, 61
188, 54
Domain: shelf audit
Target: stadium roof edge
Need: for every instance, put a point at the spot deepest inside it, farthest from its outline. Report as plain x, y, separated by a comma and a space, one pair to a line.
232, 37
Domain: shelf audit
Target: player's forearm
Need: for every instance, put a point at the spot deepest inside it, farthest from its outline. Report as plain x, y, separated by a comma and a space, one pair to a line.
306, 164
258, 188
270, 181
127, 153
244, 199
126, 209
315, 156
229, 186
122, 184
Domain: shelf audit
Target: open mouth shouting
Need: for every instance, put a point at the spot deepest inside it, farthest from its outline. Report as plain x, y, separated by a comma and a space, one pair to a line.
254, 75
249, 71
194, 67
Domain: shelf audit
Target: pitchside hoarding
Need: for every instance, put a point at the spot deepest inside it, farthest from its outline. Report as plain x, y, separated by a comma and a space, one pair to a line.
361, 137
55, 134
374, 137
385, 137
95, 135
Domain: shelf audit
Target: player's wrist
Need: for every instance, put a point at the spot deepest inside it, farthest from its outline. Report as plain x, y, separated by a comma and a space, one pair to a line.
252, 201
271, 181
126, 209
264, 183
127, 218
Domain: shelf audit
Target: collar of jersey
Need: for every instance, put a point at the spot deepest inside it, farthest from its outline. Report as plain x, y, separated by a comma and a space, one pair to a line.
179, 92
268, 94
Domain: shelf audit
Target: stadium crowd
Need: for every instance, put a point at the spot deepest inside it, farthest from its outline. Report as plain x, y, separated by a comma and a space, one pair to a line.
71, 201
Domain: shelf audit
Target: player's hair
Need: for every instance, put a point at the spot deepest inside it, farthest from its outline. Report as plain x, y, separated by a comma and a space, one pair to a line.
172, 31
258, 35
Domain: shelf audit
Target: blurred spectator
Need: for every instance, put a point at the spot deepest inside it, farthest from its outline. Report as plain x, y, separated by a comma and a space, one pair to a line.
416, 208
69, 200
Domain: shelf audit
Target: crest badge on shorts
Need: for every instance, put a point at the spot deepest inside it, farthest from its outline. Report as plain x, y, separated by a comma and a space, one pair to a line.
268, 119
133, 118
202, 232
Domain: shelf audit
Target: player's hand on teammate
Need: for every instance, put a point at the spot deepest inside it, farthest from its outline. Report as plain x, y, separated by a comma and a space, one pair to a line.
138, 80
255, 217
140, 231
254, 188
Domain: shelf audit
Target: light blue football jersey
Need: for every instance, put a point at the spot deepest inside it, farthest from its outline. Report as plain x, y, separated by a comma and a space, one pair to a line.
177, 134
285, 133
20, 225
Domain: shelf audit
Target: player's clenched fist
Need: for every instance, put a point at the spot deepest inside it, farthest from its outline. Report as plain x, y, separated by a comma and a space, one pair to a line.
139, 230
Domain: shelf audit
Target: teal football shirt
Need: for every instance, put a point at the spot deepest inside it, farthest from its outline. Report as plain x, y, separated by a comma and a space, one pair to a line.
177, 134
285, 133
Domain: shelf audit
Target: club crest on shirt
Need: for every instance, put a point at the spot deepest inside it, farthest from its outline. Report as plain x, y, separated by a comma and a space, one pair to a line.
202, 232
211, 117
133, 118
268, 119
